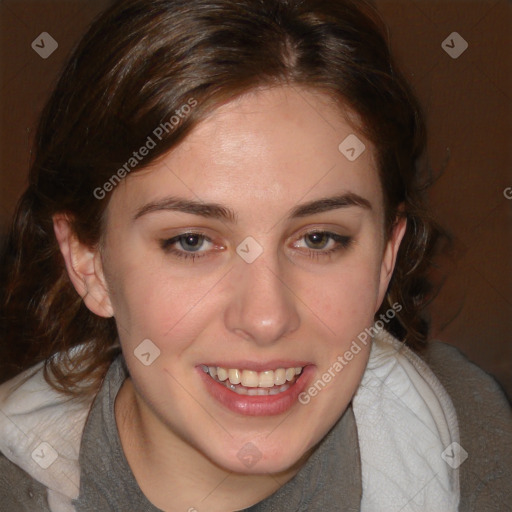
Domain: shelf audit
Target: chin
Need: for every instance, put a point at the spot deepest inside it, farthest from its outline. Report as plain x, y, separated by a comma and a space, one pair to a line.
255, 458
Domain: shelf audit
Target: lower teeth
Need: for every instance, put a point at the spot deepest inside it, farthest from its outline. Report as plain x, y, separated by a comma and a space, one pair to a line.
242, 390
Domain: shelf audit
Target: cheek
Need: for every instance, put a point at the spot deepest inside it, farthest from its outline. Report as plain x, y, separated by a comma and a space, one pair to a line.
154, 300
347, 295
344, 302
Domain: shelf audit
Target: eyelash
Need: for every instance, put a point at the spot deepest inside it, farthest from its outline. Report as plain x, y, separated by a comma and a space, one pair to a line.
167, 246
342, 243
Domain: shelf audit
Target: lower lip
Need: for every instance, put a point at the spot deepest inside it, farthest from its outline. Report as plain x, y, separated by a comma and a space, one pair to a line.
267, 405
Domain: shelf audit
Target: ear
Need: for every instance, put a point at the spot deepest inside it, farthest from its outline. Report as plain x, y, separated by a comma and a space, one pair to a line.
84, 268
389, 257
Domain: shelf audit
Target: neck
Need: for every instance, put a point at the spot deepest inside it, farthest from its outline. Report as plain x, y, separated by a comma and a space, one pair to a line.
157, 456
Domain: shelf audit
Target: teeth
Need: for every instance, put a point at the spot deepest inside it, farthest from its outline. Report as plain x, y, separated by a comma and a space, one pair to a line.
266, 379
257, 391
250, 379
280, 376
234, 376
222, 374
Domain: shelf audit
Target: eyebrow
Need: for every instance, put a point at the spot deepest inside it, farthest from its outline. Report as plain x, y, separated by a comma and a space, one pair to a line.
218, 211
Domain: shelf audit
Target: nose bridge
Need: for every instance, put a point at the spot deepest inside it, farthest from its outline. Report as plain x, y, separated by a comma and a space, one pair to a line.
262, 308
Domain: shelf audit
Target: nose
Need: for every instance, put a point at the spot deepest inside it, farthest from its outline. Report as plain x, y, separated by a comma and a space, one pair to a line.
262, 307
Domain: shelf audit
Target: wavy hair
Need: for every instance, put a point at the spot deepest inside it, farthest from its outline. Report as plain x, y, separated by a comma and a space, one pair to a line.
139, 62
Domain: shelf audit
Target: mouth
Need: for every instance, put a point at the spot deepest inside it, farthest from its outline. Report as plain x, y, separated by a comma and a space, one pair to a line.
251, 392
253, 383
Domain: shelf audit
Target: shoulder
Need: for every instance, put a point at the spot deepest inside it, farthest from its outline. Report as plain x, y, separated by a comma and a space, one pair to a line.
485, 424
474, 392
18, 491
36, 421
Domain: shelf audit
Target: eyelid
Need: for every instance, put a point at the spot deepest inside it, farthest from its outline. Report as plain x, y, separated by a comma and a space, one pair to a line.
326, 229
343, 240
170, 241
168, 245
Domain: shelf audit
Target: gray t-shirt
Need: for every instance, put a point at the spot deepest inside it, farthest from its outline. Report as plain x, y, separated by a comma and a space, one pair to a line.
107, 482
330, 481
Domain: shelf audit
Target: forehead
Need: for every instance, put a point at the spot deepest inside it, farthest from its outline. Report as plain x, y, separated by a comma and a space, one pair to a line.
261, 153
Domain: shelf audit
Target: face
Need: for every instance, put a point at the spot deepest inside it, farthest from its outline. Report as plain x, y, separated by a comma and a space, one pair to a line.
254, 251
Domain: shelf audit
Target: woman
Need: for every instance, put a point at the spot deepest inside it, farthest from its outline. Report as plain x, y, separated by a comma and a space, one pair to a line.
216, 277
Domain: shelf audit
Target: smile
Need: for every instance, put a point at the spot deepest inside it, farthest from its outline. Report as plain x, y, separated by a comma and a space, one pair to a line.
252, 383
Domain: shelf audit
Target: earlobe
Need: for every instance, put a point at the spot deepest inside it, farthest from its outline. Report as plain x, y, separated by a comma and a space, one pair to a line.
389, 257
84, 268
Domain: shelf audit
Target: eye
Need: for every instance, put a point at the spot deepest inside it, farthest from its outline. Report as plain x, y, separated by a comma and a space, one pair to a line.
191, 241
322, 243
318, 239
187, 245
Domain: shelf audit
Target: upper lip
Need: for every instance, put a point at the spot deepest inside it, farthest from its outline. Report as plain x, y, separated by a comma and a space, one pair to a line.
258, 366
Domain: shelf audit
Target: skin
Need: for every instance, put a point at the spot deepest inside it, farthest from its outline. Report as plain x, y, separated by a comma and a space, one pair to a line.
260, 155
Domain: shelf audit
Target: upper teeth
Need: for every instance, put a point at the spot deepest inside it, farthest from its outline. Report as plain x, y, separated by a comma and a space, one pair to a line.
253, 379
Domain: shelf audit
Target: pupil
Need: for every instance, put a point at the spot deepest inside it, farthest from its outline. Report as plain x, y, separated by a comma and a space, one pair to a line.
191, 242
316, 239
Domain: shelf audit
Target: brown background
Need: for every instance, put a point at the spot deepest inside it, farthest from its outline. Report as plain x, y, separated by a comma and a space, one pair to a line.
468, 102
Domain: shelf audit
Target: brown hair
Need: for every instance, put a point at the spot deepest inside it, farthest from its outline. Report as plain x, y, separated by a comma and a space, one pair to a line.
139, 62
